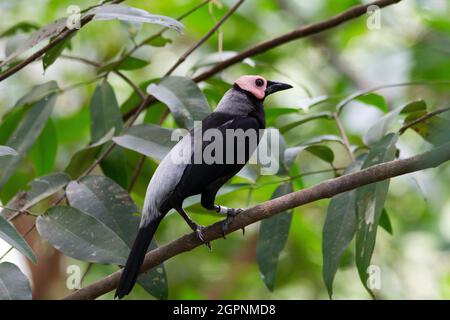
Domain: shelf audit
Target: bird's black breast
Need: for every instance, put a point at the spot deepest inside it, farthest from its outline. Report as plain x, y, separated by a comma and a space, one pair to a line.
198, 176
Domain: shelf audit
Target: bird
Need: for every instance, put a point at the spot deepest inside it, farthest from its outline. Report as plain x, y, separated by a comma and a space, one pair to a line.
240, 110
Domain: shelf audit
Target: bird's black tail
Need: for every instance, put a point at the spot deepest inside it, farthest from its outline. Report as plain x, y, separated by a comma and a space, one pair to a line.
136, 256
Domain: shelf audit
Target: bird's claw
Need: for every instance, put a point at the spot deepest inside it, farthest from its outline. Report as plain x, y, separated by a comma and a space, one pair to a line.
231, 213
199, 232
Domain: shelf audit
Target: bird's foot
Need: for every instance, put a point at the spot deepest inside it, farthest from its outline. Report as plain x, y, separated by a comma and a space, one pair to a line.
199, 232
231, 213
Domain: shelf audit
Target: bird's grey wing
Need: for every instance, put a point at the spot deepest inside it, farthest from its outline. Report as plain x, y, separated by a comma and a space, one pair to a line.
198, 176
171, 169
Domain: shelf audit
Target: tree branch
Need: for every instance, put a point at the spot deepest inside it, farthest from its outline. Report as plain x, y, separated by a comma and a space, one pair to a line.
299, 33
60, 37
422, 119
323, 190
296, 34
204, 38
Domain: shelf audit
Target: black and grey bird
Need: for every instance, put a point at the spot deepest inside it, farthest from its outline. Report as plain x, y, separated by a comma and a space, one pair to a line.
240, 108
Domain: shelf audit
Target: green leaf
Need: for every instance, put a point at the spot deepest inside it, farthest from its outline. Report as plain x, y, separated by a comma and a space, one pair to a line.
80, 236
159, 41
24, 27
154, 114
134, 98
37, 93
126, 13
250, 172
101, 198
322, 139
25, 135
273, 234
373, 99
115, 166
132, 63
43, 152
370, 201
129, 63
14, 285
7, 151
13, 237
51, 55
42, 34
12, 118
385, 222
339, 229
305, 119
435, 130
322, 152
83, 158
184, 99
9, 123
273, 113
414, 106
151, 140
107, 202
40, 188
382, 126
106, 115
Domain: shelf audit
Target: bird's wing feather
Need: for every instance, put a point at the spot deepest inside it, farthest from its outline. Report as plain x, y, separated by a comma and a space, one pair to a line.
197, 176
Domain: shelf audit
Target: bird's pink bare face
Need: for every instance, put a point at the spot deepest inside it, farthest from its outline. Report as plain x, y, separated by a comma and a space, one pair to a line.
256, 85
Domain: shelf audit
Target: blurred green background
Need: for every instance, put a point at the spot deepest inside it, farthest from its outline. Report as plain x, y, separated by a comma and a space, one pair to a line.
413, 44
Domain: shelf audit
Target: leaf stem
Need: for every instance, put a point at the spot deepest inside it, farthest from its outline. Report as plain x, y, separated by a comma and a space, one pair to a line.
343, 135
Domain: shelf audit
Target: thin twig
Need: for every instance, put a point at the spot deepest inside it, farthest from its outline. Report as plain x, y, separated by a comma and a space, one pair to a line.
422, 119
359, 93
18, 212
205, 37
137, 173
95, 64
311, 173
343, 135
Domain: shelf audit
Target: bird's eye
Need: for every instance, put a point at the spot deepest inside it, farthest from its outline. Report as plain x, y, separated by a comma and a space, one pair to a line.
259, 82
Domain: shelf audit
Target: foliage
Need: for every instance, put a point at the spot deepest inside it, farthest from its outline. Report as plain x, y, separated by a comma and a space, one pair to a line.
58, 125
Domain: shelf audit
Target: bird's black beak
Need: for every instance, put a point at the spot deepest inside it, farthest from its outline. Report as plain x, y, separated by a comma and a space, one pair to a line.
273, 87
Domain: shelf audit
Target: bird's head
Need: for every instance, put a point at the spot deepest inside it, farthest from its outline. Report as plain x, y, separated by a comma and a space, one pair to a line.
259, 87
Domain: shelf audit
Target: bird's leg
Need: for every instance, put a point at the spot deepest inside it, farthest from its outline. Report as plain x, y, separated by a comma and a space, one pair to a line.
198, 229
207, 202
231, 213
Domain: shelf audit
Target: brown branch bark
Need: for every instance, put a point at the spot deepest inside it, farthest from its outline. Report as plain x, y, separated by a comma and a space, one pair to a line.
326, 189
